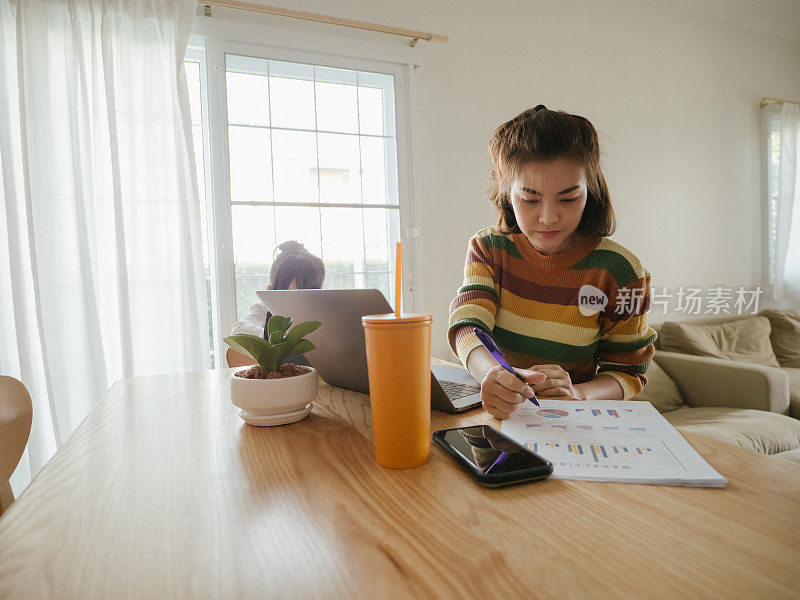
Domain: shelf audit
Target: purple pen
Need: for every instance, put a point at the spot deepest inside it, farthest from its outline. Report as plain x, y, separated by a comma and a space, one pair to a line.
489, 344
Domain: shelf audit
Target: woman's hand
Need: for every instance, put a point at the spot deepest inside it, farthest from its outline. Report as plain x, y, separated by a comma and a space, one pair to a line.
501, 392
558, 383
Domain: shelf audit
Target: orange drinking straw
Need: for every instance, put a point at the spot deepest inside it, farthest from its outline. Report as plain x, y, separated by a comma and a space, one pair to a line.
398, 278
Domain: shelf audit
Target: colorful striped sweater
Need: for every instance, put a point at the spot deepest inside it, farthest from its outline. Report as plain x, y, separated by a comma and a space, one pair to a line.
538, 310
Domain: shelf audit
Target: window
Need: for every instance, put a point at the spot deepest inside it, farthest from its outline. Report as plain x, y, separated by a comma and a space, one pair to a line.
312, 157
296, 146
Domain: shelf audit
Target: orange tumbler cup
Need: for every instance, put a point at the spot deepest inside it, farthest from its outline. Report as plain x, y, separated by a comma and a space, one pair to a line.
399, 368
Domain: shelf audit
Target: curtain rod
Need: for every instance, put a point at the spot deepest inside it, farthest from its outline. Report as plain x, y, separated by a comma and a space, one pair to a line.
766, 101
307, 16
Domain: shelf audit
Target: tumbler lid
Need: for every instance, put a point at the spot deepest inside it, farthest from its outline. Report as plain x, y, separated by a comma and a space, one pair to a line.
390, 318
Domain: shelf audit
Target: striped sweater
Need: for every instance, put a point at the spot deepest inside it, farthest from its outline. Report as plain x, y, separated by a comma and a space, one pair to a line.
538, 308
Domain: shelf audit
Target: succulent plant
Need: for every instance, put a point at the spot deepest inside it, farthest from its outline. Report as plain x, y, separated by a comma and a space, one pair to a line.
271, 353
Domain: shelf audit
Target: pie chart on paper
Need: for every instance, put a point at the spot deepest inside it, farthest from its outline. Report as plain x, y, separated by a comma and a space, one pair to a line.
552, 413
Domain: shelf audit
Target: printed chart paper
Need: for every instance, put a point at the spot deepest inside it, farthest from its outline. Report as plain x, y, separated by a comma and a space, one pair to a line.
609, 440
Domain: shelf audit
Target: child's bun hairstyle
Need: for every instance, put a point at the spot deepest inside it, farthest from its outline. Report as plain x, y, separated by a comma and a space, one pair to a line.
298, 265
541, 135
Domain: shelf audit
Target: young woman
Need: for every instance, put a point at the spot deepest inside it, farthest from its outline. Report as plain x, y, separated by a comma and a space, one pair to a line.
564, 303
295, 268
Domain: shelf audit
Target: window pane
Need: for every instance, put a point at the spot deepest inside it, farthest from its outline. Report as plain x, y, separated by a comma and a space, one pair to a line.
292, 103
370, 110
253, 235
193, 84
339, 168
338, 277
291, 70
295, 156
248, 100
246, 64
253, 244
343, 239
379, 171
247, 284
299, 223
331, 75
376, 236
379, 281
250, 165
385, 83
337, 107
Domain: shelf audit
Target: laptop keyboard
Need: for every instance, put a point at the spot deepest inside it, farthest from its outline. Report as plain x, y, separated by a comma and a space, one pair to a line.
456, 391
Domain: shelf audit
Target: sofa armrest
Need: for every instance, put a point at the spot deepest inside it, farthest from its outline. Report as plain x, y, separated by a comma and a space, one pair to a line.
705, 381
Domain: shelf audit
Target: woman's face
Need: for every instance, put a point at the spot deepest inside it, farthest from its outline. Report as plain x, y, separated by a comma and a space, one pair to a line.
548, 199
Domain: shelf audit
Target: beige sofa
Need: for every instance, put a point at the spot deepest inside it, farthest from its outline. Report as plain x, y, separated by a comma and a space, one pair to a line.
733, 401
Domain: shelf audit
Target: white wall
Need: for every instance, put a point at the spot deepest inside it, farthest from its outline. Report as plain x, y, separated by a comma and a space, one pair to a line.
674, 95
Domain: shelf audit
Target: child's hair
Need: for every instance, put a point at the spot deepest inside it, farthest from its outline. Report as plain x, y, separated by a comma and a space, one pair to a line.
298, 265
539, 134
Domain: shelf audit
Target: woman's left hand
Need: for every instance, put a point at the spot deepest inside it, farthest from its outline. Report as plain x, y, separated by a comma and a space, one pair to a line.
558, 383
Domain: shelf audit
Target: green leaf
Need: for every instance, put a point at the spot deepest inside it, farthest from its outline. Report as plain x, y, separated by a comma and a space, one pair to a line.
271, 354
287, 322
282, 352
301, 330
275, 324
268, 359
302, 347
251, 345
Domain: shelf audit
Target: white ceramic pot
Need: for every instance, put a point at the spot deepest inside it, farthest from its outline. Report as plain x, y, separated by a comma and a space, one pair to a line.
274, 401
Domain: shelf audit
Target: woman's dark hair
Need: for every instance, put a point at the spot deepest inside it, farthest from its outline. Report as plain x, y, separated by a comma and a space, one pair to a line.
542, 135
298, 265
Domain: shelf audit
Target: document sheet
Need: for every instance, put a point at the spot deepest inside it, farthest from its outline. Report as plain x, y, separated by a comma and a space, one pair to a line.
609, 440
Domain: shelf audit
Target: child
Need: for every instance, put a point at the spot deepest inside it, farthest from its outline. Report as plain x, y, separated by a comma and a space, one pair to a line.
564, 303
295, 268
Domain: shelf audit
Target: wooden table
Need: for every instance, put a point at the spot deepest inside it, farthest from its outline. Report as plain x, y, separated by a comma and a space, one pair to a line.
163, 492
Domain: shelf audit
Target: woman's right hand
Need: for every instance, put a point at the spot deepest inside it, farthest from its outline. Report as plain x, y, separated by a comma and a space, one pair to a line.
501, 392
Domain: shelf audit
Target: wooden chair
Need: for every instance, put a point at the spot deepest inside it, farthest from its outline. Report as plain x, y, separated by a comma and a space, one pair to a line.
237, 359
16, 414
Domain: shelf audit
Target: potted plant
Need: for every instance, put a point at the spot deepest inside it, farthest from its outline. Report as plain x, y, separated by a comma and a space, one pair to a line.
271, 392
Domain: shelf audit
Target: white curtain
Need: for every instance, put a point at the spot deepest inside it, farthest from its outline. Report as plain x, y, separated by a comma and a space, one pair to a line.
787, 243
101, 269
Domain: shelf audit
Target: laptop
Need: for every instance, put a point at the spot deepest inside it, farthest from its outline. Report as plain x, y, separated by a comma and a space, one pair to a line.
340, 355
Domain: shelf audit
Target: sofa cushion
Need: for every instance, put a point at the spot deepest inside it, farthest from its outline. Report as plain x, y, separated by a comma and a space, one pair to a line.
744, 340
759, 430
794, 392
785, 335
790, 455
660, 390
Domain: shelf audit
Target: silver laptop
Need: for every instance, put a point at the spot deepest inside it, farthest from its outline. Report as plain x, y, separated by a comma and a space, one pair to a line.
340, 355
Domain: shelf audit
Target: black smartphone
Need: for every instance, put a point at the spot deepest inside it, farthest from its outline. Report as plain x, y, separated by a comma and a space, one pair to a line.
492, 458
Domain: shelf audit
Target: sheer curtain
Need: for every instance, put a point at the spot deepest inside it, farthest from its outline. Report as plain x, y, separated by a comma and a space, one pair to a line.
101, 269
787, 240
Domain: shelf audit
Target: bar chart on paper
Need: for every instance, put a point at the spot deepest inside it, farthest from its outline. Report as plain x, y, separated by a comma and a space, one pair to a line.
603, 456
609, 441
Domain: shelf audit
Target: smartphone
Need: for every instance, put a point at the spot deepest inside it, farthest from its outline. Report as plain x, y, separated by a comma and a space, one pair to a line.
492, 458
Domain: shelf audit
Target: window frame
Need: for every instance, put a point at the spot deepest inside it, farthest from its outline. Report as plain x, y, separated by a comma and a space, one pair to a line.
221, 240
